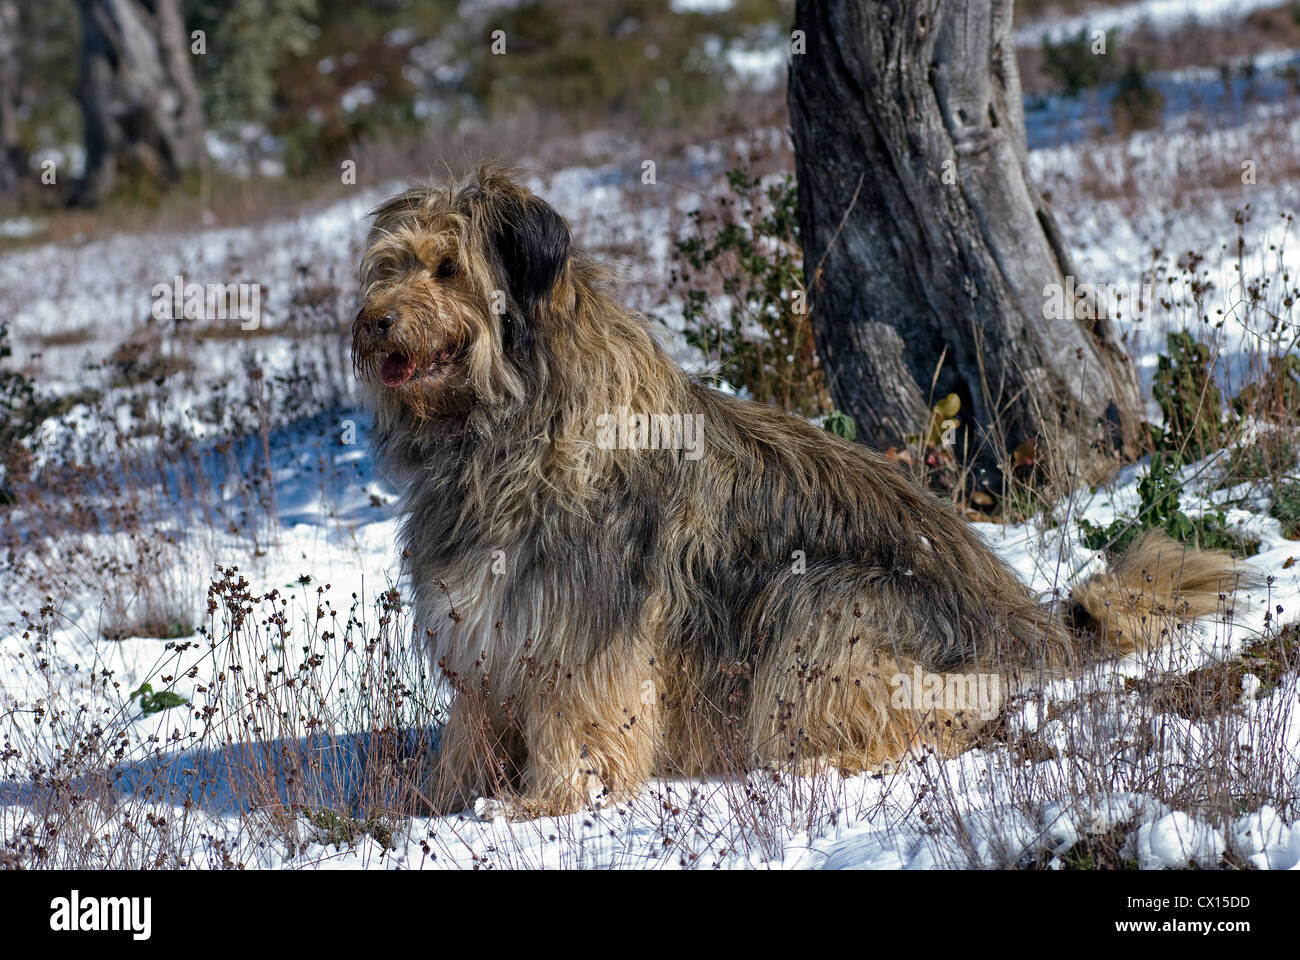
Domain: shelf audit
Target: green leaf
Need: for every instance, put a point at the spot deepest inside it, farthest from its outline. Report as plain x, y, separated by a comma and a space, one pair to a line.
841, 424
151, 702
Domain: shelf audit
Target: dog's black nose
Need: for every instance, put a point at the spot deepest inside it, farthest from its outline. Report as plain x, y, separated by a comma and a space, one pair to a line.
384, 322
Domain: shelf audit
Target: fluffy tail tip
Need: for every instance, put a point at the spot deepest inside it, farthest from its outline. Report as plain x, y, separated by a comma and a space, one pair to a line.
1155, 587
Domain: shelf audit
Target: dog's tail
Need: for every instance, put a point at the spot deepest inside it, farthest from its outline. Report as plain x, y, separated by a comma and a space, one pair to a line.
1156, 586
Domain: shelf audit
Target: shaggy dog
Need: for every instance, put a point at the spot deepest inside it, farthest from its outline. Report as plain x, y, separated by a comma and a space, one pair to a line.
611, 598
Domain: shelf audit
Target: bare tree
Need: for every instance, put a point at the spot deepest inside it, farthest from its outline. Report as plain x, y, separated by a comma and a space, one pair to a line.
929, 253
142, 109
13, 159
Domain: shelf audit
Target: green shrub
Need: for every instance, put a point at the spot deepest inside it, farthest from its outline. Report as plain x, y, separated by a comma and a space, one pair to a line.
1188, 397
740, 276
1286, 508
1072, 66
1159, 492
1262, 458
1136, 104
1276, 397
19, 412
340, 831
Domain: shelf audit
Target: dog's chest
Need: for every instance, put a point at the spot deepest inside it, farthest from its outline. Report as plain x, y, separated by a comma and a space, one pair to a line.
488, 597
464, 613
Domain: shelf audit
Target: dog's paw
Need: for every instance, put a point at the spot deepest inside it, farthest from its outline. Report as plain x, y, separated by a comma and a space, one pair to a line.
530, 807
489, 809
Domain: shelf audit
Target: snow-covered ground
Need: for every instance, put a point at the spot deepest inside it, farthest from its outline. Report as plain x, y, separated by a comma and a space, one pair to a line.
1012, 802
1089, 756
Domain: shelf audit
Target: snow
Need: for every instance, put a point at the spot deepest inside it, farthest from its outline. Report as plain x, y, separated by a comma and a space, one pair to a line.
20, 226
1176, 840
701, 6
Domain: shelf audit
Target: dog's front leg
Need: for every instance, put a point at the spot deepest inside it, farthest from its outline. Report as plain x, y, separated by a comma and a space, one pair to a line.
591, 736
476, 756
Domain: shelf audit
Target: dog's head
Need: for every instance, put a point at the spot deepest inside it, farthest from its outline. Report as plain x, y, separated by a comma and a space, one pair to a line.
453, 283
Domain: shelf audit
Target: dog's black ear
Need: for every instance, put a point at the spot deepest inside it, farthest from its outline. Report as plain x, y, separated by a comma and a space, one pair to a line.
530, 239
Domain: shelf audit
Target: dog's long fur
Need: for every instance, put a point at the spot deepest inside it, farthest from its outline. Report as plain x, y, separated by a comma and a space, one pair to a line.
604, 614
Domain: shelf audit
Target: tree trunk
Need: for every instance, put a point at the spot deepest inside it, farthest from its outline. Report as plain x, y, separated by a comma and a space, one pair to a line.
13, 159
928, 249
142, 111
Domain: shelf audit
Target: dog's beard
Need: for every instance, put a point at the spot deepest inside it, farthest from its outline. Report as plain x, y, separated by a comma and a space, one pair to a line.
399, 368
422, 388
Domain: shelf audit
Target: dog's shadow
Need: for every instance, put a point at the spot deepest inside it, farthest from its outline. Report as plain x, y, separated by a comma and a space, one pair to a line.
353, 774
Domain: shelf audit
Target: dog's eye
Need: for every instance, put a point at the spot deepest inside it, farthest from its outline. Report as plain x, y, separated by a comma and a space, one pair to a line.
447, 268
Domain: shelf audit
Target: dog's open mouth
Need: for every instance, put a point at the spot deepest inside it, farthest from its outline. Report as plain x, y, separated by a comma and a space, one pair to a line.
398, 368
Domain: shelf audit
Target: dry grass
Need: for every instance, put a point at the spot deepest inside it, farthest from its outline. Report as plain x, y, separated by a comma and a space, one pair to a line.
267, 739
261, 737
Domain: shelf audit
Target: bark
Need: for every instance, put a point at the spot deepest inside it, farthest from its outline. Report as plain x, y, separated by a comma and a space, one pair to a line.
910, 274
143, 115
13, 159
